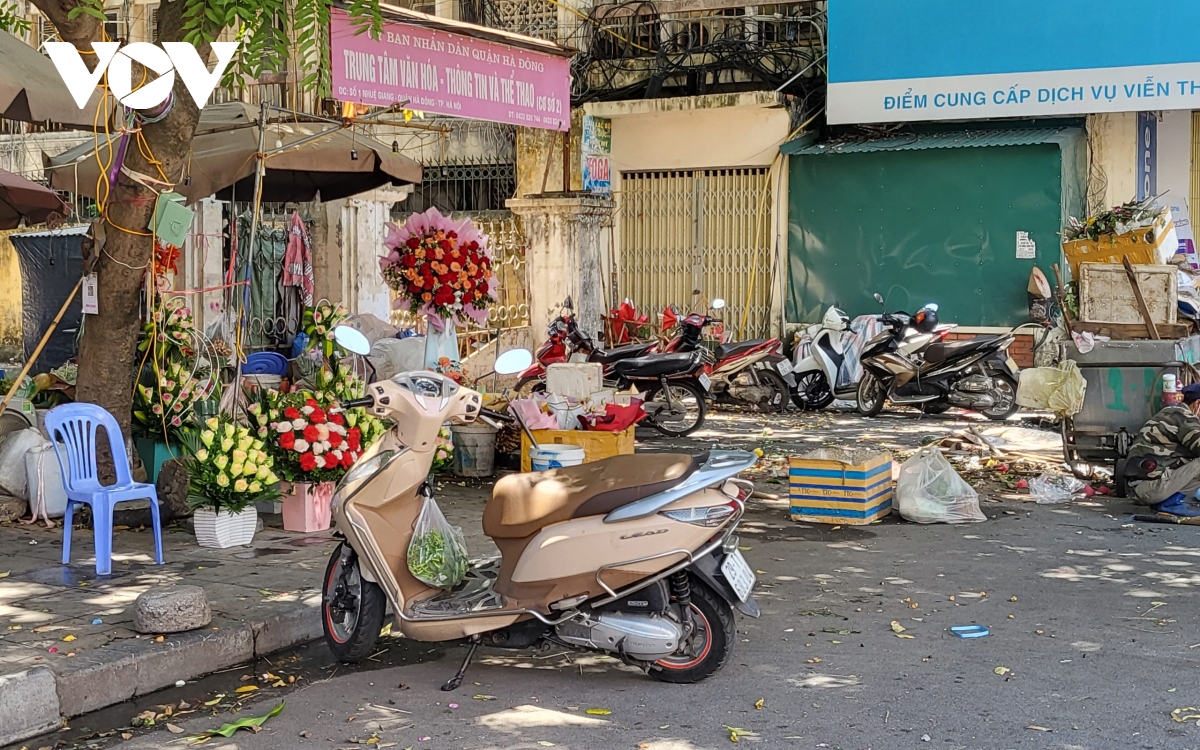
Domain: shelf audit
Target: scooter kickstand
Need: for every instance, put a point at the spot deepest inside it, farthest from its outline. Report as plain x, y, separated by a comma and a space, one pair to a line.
457, 679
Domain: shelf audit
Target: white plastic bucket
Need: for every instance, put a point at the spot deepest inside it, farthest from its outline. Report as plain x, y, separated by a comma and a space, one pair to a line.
546, 457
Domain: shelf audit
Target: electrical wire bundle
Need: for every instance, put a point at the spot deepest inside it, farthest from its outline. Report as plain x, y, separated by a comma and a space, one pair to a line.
627, 56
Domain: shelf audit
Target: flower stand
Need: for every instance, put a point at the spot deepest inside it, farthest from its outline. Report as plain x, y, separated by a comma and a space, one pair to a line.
224, 529
306, 506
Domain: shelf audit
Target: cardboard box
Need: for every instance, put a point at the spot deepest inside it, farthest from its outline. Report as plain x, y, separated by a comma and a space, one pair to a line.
1148, 246
841, 486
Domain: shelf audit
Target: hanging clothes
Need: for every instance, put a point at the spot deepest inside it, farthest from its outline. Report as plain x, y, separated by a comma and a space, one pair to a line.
297, 264
263, 318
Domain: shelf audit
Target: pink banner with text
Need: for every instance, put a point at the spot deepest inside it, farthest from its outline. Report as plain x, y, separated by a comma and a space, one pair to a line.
449, 74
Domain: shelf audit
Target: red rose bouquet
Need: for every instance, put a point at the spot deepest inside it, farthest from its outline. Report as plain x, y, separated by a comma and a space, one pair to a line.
439, 268
312, 443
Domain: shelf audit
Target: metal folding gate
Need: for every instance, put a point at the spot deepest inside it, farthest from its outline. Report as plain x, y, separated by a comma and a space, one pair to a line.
698, 231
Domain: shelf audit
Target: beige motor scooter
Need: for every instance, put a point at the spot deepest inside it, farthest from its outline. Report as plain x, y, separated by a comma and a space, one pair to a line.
634, 555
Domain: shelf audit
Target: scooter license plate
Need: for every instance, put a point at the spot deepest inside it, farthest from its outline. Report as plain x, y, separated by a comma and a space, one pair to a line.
706, 382
739, 574
785, 367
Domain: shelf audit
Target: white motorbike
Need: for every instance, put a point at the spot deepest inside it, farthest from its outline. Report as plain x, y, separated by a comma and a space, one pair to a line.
817, 373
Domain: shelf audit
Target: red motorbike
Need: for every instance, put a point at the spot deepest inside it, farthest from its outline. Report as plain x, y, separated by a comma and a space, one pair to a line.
751, 372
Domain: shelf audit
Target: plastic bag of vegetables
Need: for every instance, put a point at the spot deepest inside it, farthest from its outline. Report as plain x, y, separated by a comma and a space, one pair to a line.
437, 554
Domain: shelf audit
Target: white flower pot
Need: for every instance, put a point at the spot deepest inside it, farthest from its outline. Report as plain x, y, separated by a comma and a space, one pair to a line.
224, 529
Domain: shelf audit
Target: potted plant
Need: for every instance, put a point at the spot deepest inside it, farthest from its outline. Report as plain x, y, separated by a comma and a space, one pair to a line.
313, 446
230, 471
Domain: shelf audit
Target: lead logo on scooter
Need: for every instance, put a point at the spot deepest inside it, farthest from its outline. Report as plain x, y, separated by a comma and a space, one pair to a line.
645, 533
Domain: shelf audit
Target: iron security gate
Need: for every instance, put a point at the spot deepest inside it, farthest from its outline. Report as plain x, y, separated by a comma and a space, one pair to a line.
705, 231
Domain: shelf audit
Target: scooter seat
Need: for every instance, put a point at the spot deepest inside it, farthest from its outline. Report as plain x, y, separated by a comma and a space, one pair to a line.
523, 504
940, 352
725, 351
658, 364
609, 356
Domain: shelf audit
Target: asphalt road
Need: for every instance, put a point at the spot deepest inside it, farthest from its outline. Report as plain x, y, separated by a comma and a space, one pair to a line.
1093, 624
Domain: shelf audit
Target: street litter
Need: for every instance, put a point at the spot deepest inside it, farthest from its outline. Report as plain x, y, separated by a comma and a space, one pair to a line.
931, 491
970, 631
1052, 488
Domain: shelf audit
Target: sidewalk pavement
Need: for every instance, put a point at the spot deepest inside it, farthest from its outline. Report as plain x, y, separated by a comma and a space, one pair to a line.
66, 641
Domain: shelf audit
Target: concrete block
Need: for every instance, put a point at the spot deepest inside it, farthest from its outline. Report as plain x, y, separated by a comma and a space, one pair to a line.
135, 667
28, 705
294, 627
171, 609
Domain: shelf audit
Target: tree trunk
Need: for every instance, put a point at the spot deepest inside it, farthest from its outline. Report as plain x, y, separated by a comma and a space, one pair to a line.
107, 352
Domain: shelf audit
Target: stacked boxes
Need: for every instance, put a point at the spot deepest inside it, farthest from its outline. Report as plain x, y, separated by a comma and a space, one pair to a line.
837, 485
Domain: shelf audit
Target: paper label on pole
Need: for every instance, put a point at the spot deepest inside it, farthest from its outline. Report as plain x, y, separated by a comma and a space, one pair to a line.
1026, 247
91, 296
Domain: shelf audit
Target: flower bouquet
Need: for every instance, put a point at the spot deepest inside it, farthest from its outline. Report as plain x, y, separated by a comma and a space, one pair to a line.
319, 322
230, 472
443, 455
313, 447
440, 268
164, 406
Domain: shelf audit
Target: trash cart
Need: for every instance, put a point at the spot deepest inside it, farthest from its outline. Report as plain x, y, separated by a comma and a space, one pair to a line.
1124, 389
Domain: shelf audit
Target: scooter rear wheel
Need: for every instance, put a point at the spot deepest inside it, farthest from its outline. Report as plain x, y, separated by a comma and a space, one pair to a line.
780, 393
716, 634
352, 608
530, 385
812, 391
687, 395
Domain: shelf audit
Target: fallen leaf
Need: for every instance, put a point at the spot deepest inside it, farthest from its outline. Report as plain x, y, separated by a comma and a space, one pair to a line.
1036, 728
1001, 671
126, 736
906, 636
214, 701
665, 726
5, 574
544, 743
174, 729
246, 689
69, 638
758, 704
1190, 713
1012, 598
159, 639
599, 711
372, 740
278, 683
484, 697
253, 723
814, 660
306, 733
897, 627
736, 733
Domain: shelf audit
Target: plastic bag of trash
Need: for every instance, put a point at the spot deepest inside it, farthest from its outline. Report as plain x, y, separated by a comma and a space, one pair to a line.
931, 491
1051, 488
1058, 389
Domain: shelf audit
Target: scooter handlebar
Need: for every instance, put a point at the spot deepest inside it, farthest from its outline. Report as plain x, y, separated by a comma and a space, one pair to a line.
495, 415
359, 402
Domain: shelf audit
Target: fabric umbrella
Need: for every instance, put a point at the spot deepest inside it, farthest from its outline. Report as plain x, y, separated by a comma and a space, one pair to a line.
23, 199
31, 90
337, 164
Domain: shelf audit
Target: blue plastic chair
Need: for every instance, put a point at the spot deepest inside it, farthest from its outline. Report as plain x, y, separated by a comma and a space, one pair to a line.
72, 429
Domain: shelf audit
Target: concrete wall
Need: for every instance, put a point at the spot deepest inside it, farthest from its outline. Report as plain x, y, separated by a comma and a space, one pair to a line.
1112, 163
12, 348
1175, 158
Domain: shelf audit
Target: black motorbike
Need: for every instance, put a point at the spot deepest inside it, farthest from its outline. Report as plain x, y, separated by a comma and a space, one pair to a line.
976, 374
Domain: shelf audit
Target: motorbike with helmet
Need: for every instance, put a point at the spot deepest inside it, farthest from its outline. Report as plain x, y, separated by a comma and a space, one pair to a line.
976, 374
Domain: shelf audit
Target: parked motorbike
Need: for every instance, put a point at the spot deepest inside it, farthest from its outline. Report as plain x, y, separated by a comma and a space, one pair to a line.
563, 339
750, 372
634, 556
976, 374
816, 373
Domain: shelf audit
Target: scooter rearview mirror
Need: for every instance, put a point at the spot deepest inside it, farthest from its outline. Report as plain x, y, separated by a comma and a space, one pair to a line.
879, 298
352, 340
718, 303
567, 304
513, 361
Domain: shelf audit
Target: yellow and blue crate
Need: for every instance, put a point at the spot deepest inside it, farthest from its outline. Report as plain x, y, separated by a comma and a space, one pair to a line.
831, 485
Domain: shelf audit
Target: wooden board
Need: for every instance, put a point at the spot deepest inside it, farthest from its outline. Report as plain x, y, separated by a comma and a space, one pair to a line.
596, 444
1133, 331
1105, 295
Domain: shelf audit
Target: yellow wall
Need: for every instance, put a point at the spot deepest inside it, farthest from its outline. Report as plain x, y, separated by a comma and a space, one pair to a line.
11, 336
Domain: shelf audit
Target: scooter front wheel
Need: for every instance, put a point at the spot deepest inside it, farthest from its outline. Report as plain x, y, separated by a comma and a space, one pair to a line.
871, 395
710, 646
352, 608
